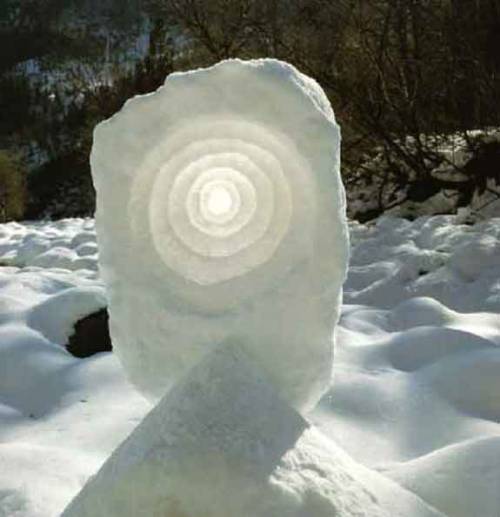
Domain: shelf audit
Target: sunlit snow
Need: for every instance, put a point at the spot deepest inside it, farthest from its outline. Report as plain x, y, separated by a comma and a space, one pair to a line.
416, 381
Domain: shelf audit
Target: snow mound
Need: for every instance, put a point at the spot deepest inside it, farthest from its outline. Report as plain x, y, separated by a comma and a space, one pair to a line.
213, 195
461, 480
481, 398
437, 257
412, 387
416, 375
39, 307
55, 317
65, 244
262, 457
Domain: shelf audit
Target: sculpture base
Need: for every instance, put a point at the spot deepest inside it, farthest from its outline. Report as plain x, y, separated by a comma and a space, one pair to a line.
223, 444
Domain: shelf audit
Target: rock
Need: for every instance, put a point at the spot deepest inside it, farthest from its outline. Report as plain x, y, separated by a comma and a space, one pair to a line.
91, 335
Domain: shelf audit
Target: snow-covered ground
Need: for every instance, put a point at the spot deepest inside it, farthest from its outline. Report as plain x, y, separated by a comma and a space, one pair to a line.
416, 392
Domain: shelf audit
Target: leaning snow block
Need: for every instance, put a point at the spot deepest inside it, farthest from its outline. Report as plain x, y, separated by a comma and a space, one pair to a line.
221, 216
221, 443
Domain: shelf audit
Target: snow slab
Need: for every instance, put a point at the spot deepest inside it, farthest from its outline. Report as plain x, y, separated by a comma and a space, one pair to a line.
261, 139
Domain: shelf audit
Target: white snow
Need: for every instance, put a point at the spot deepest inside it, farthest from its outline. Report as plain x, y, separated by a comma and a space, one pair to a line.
224, 423
67, 244
456, 264
213, 195
415, 395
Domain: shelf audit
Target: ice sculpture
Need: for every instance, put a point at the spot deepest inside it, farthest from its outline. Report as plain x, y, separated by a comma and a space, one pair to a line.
221, 218
222, 444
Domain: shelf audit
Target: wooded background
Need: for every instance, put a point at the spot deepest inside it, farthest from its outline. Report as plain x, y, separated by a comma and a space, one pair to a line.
405, 77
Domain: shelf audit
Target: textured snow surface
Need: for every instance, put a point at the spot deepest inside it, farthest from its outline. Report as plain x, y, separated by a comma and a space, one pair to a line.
225, 422
66, 244
213, 196
416, 384
455, 264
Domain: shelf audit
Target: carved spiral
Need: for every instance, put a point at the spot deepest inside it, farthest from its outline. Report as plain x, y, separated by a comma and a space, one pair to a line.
222, 197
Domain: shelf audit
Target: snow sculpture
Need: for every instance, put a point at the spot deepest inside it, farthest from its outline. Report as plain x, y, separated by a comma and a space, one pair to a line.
223, 444
221, 218
223, 244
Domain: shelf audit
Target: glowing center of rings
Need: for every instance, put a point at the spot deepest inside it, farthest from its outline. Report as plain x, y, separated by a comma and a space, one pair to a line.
221, 206
219, 201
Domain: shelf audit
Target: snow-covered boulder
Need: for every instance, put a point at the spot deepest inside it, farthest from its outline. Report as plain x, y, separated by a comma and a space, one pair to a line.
221, 216
56, 316
223, 444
